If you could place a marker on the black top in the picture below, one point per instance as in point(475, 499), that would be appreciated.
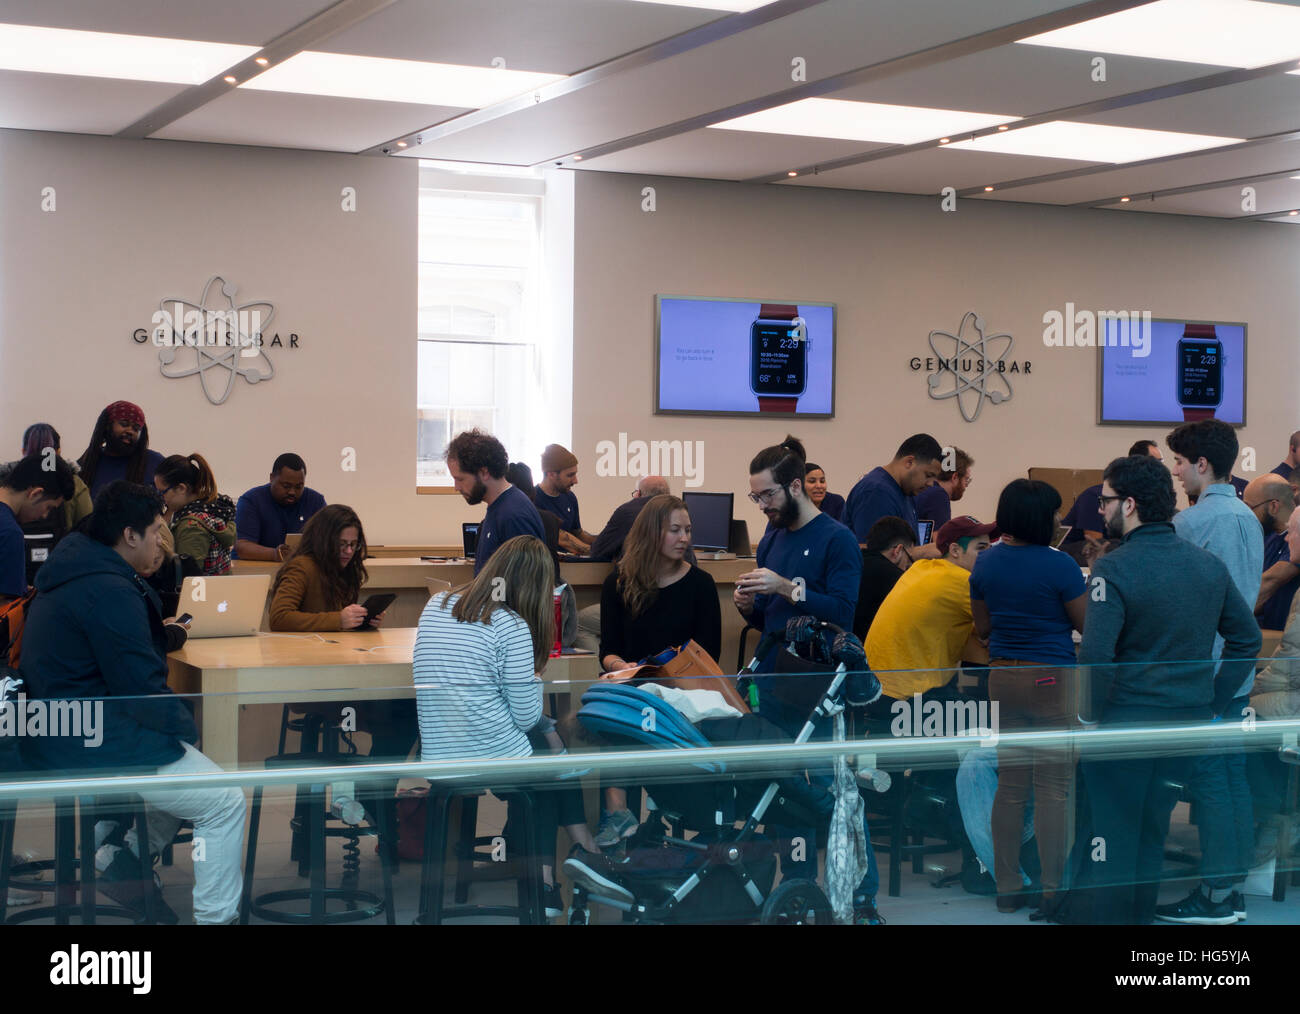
point(878, 578)
point(686, 610)
point(609, 543)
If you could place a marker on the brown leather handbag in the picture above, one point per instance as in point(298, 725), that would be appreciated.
point(689, 667)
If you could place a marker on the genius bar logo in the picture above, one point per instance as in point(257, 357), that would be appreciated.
point(970, 366)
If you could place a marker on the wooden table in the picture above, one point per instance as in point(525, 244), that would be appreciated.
point(232, 672)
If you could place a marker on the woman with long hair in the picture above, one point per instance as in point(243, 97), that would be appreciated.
point(201, 519)
point(118, 448)
point(814, 483)
point(655, 599)
point(1026, 598)
point(318, 586)
point(479, 653)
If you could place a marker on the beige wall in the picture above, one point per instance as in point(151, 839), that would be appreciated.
point(898, 267)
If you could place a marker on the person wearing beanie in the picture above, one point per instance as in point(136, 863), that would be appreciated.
point(118, 448)
point(555, 494)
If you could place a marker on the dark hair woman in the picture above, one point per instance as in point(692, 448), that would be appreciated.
point(814, 484)
point(478, 653)
point(201, 519)
point(655, 599)
point(1026, 597)
point(318, 586)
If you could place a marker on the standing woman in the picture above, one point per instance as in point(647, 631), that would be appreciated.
point(202, 520)
point(1026, 597)
point(814, 481)
point(654, 599)
point(479, 652)
point(36, 438)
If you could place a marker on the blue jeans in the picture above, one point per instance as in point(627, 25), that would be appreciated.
point(790, 722)
point(977, 785)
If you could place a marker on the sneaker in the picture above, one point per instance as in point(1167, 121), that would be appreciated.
point(125, 883)
point(552, 903)
point(865, 913)
point(1197, 910)
point(1237, 902)
point(615, 827)
point(19, 897)
point(596, 873)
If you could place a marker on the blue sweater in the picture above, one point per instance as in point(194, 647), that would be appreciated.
point(826, 555)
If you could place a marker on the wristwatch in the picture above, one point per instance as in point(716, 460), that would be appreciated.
point(1200, 372)
point(778, 357)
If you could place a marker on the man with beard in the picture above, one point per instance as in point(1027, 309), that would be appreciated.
point(555, 494)
point(1156, 600)
point(119, 449)
point(934, 503)
point(477, 462)
point(1272, 500)
point(808, 564)
point(266, 515)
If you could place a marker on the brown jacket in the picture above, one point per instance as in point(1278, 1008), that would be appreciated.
point(300, 601)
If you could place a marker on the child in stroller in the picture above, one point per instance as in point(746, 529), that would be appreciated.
point(724, 873)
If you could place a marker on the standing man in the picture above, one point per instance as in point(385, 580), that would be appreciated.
point(608, 545)
point(1287, 469)
point(934, 503)
point(888, 490)
point(1084, 516)
point(30, 492)
point(1272, 500)
point(1204, 453)
point(477, 462)
point(1154, 602)
point(555, 494)
point(119, 449)
point(265, 515)
point(808, 565)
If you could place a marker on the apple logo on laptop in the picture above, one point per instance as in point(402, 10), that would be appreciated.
point(222, 606)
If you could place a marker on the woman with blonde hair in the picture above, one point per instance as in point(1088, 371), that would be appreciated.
point(479, 652)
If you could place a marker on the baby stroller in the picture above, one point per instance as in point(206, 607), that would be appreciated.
point(724, 873)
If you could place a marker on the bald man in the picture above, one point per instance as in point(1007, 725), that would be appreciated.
point(609, 543)
point(1272, 500)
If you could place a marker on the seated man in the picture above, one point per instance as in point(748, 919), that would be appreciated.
point(916, 640)
point(608, 545)
point(96, 632)
point(555, 494)
point(29, 493)
point(887, 554)
point(265, 515)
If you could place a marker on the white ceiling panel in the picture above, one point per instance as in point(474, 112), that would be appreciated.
point(724, 154)
point(928, 172)
point(556, 37)
point(282, 120)
point(247, 22)
point(78, 105)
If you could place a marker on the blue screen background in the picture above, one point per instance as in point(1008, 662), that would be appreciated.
point(1137, 390)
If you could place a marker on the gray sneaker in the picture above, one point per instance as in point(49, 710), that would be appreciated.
point(615, 827)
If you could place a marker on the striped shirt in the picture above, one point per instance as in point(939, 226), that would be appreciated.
point(476, 690)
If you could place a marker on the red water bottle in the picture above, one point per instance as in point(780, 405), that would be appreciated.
point(557, 648)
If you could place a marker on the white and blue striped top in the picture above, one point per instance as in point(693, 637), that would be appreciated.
point(476, 691)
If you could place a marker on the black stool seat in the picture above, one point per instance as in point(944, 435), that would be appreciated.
point(357, 905)
point(72, 874)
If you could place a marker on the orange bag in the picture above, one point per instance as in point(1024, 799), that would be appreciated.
point(691, 668)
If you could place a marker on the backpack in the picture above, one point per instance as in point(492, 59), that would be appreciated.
point(13, 615)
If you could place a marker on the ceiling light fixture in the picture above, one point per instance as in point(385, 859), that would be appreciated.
point(401, 144)
point(1124, 200)
point(988, 190)
point(861, 121)
point(945, 140)
point(230, 79)
point(262, 61)
point(1093, 142)
point(122, 57)
point(577, 158)
point(1003, 126)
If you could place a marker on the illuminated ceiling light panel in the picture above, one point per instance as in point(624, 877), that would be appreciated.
point(734, 6)
point(861, 121)
point(1091, 142)
point(125, 57)
point(382, 79)
point(1226, 33)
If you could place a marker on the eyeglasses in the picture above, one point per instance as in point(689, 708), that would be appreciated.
point(1103, 500)
point(1263, 503)
point(354, 545)
point(766, 496)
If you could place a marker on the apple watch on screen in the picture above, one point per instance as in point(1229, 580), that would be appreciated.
point(778, 357)
point(1200, 372)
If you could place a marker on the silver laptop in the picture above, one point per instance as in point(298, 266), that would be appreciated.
point(224, 606)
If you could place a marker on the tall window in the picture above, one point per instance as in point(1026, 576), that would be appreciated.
point(483, 334)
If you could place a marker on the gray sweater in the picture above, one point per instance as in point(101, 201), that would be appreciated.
point(1154, 606)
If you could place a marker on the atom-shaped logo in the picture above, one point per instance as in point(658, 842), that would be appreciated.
point(969, 372)
point(221, 335)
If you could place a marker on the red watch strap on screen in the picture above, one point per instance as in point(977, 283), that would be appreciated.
point(1199, 331)
point(767, 403)
point(778, 311)
point(1197, 414)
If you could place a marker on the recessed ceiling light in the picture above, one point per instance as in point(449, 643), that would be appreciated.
point(988, 190)
point(792, 173)
point(1092, 142)
point(1293, 212)
point(123, 57)
point(1003, 126)
point(577, 158)
point(401, 144)
point(230, 79)
point(945, 140)
point(713, 5)
point(861, 121)
point(262, 61)
point(372, 77)
point(1124, 200)
point(1227, 33)
point(1295, 177)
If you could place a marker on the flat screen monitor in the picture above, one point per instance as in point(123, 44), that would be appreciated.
point(710, 519)
point(1161, 372)
point(924, 531)
point(744, 357)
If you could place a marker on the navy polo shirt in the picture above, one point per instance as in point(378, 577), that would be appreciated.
point(564, 506)
point(510, 514)
point(260, 519)
point(1278, 605)
point(13, 555)
point(934, 504)
point(877, 495)
point(1084, 515)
